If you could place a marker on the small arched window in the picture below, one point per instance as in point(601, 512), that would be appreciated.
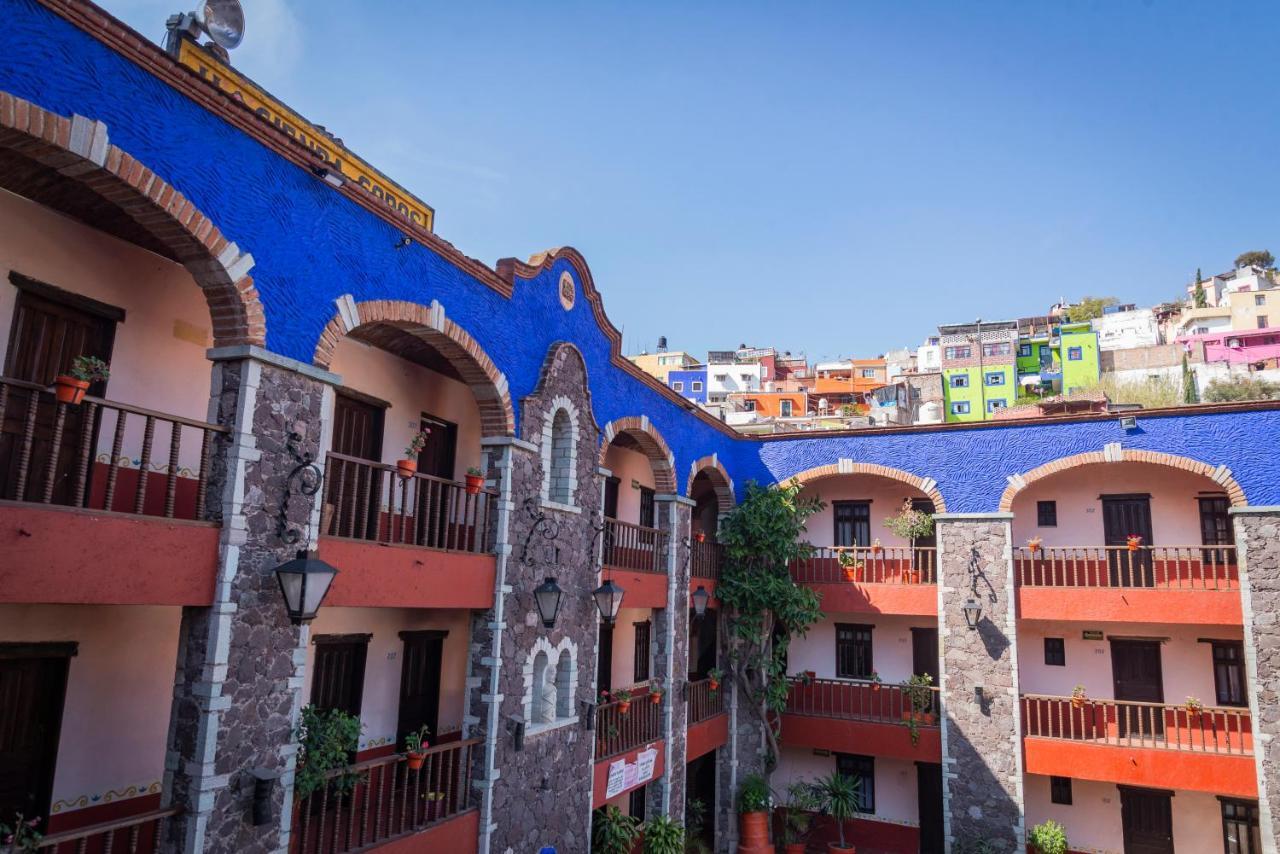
point(560, 454)
point(551, 684)
point(564, 688)
point(544, 708)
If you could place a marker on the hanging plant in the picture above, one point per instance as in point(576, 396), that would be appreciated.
point(714, 677)
point(1078, 696)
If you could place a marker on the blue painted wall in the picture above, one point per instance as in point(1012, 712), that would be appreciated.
point(687, 379)
point(312, 245)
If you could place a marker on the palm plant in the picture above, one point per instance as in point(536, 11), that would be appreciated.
point(838, 796)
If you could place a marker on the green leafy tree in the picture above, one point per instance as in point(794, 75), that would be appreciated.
point(1048, 838)
point(762, 536)
point(1089, 307)
point(1257, 258)
point(1241, 388)
point(663, 835)
point(1199, 298)
point(327, 739)
point(612, 832)
point(1189, 394)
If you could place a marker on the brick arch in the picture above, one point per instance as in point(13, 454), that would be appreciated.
point(927, 485)
point(429, 323)
point(78, 149)
point(719, 477)
point(1114, 453)
point(652, 445)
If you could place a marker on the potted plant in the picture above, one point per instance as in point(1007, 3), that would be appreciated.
point(875, 681)
point(838, 797)
point(853, 568)
point(798, 816)
point(1033, 545)
point(415, 747)
point(911, 524)
point(1134, 541)
point(919, 691)
point(755, 802)
point(714, 676)
point(612, 832)
point(475, 481)
point(1078, 697)
point(20, 835)
point(695, 826)
point(327, 738)
point(655, 692)
point(876, 547)
point(700, 537)
point(1194, 707)
point(1048, 838)
point(409, 465)
point(663, 835)
point(85, 370)
point(623, 698)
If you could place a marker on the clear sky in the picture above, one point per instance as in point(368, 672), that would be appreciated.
point(836, 178)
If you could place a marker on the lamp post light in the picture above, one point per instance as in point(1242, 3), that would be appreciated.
point(700, 599)
point(304, 582)
point(972, 613)
point(608, 598)
point(547, 597)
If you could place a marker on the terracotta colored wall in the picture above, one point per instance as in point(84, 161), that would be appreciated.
point(116, 715)
point(884, 494)
point(380, 705)
point(890, 645)
point(628, 465)
point(895, 782)
point(411, 390)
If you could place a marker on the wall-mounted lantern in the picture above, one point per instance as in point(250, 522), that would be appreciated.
point(304, 582)
point(547, 597)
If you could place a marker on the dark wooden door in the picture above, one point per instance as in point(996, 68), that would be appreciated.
point(438, 455)
point(1138, 677)
point(929, 798)
point(434, 500)
point(337, 681)
point(611, 485)
point(922, 556)
point(924, 652)
point(354, 491)
point(420, 683)
point(32, 690)
point(702, 643)
point(1124, 516)
point(604, 663)
point(46, 335)
point(1147, 818)
point(648, 511)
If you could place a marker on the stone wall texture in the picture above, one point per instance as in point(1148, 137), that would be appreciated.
point(981, 741)
point(671, 662)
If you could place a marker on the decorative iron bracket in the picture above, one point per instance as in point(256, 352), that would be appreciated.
point(305, 480)
point(543, 525)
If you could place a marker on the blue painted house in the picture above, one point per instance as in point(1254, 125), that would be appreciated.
point(690, 384)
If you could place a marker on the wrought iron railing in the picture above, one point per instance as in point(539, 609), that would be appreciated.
point(137, 834)
point(703, 701)
point(1169, 567)
point(365, 500)
point(867, 565)
point(1124, 723)
point(626, 725)
point(634, 547)
point(862, 700)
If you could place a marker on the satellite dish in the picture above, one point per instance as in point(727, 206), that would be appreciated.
point(223, 20)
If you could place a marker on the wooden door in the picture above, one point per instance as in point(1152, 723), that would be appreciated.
point(32, 690)
point(924, 653)
point(702, 643)
point(604, 663)
point(50, 328)
point(354, 491)
point(1147, 818)
point(420, 683)
point(611, 485)
point(922, 556)
point(435, 501)
point(929, 798)
point(337, 681)
point(1137, 674)
point(1124, 516)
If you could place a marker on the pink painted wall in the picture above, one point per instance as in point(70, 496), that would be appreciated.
point(411, 390)
point(896, 798)
point(1092, 821)
point(885, 495)
point(628, 465)
point(158, 361)
point(1186, 664)
point(624, 643)
point(1175, 513)
point(119, 687)
point(890, 645)
point(380, 705)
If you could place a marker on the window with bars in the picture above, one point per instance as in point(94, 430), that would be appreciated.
point(1047, 514)
point(853, 651)
point(337, 679)
point(862, 769)
point(1228, 673)
point(643, 634)
point(647, 516)
point(1215, 521)
point(852, 523)
point(1240, 829)
point(1060, 790)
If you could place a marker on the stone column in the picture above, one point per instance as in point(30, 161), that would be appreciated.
point(671, 664)
point(239, 675)
point(1258, 544)
point(981, 736)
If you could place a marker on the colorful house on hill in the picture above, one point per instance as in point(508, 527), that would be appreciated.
point(689, 383)
point(978, 368)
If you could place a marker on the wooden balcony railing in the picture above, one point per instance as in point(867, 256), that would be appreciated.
point(370, 501)
point(102, 455)
point(1166, 567)
point(137, 834)
point(702, 702)
point(883, 565)
point(389, 801)
point(634, 547)
point(706, 561)
point(1124, 723)
point(618, 731)
point(859, 700)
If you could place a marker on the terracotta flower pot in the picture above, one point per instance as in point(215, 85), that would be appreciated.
point(1077, 702)
point(69, 389)
point(406, 468)
point(714, 684)
point(875, 686)
point(416, 760)
point(851, 574)
point(624, 707)
point(656, 698)
point(753, 832)
point(475, 483)
point(795, 848)
point(837, 848)
point(913, 576)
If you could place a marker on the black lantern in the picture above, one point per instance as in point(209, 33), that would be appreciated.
point(304, 581)
point(608, 598)
point(972, 613)
point(700, 599)
point(547, 596)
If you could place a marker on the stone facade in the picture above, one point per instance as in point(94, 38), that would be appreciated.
point(981, 736)
point(1258, 538)
point(239, 672)
point(671, 663)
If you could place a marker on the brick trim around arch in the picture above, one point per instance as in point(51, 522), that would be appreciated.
point(1114, 453)
point(927, 485)
point(719, 477)
point(652, 445)
point(78, 149)
point(478, 371)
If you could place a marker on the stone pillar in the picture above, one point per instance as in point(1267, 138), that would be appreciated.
point(1258, 544)
point(239, 674)
point(671, 664)
point(981, 736)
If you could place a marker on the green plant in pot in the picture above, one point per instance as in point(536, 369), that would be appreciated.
point(837, 795)
point(415, 747)
point(85, 371)
point(408, 465)
point(755, 802)
point(20, 836)
point(798, 815)
point(911, 524)
point(695, 825)
point(475, 481)
point(663, 835)
point(612, 832)
point(919, 691)
point(327, 739)
point(1048, 838)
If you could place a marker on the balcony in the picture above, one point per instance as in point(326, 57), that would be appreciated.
point(1147, 744)
point(391, 801)
point(623, 731)
point(706, 561)
point(861, 716)
point(416, 541)
point(106, 485)
point(869, 579)
point(707, 727)
point(138, 834)
point(1161, 584)
point(636, 558)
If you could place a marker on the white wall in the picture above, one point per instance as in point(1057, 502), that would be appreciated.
point(628, 465)
point(623, 663)
point(896, 793)
point(890, 645)
point(1124, 330)
point(885, 495)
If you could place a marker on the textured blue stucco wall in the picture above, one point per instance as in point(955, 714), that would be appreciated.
point(311, 245)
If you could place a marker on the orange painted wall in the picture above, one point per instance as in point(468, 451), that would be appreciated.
point(641, 589)
point(865, 737)
point(1181, 769)
point(770, 405)
point(76, 557)
point(372, 576)
point(1131, 605)
point(705, 736)
point(908, 599)
point(458, 835)
point(600, 776)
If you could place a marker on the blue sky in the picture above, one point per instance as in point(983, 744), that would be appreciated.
point(836, 178)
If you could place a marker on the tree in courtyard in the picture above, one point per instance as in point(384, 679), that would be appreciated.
point(763, 608)
point(1089, 307)
point(1257, 258)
